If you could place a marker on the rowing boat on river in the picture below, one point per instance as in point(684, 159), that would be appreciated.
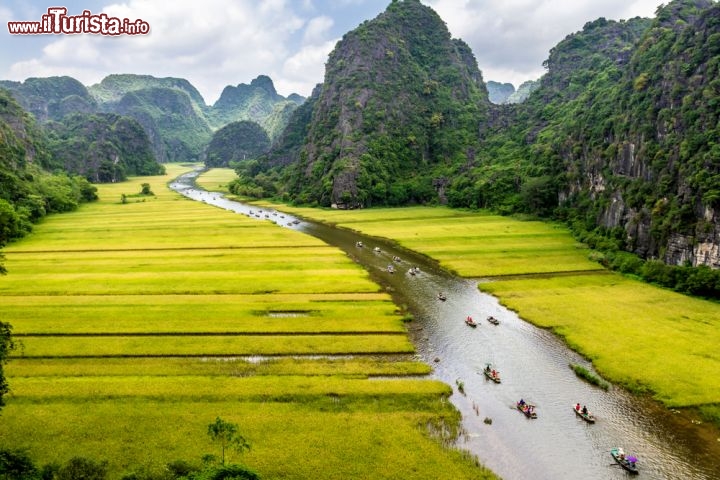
point(588, 417)
point(626, 462)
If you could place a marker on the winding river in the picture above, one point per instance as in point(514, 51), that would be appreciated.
point(533, 364)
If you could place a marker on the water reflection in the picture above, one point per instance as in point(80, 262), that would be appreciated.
point(533, 364)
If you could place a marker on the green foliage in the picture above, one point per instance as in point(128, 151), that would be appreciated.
point(588, 376)
point(80, 468)
point(227, 436)
point(17, 465)
point(7, 345)
point(224, 472)
point(236, 142)
point(51, 98)
point(102, 147)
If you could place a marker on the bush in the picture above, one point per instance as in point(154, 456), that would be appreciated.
point(79, 468)
point(16, 465)
point(225, 472)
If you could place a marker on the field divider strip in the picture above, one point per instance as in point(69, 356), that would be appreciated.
point(274, 356)
point(211, 334)
point(164, 249)
point(530, 275)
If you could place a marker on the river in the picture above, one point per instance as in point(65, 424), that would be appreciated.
point(533, 364)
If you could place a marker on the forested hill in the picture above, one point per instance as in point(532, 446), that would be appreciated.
point(619, 137)
point(400, 103)
point(27, 191)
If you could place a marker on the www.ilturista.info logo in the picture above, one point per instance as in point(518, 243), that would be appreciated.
point(57, 21)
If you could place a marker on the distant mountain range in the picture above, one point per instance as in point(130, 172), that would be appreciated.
point(171, 111)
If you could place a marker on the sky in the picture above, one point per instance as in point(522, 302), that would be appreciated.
point(215, 43)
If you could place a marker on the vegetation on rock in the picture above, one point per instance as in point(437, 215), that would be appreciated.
point(236, 142)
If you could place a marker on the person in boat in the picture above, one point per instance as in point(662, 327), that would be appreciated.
point(584, 410)
point(521, 402)
point(487, 368)
point(493, 373)
point(577, 407)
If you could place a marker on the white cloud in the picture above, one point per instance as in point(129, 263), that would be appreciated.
point(211, 43)
point(305, 69)
point(317, 29)
point(214, 43)
point(513, 37)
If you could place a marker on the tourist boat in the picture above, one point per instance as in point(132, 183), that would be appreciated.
point(390, 269)
point(442, 297)
point(627, 462)
point(488, 371)
point(376, 249)
point(359, 244)
point(528, 409)
point(470, 322)
point(493, 320)
point(588, 417)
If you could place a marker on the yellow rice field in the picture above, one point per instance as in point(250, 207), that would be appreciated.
point(139, 323)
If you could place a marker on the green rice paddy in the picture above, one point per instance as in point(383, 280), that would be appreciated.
point(139, 323)
point(643, 337)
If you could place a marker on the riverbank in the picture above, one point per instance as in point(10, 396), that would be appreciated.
point(648, 339)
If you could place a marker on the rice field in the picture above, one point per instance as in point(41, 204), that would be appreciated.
point(216, 179)
point(139, 322)
point(643, 337)
point(472, 244)
point(646, 338)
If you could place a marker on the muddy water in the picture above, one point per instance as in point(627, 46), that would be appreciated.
point(533, 365)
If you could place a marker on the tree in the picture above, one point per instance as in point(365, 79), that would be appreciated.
point(226, 434)
point(6, 346)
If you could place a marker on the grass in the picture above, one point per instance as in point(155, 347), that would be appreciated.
point(638, 335)
point(643, 337)
point(216, 179)
point(470, 243)
point(357, 367)
point(139, 323)
point(588, 376)
point(289, 440)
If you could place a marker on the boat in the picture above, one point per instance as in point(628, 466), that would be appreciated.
point(359, 244)
point(588, 417)
point(488, 371)
point(470, 322)
point(442, 297)
point(627, 462)
point(528, 409)
point(390, 269)
point(493, 320)
point(376, 249)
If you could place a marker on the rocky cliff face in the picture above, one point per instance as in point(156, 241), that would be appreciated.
point(654, 169)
